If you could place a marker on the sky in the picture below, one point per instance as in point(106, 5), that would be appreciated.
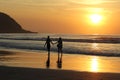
point(65, 16)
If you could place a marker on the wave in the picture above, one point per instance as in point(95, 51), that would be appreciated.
point(67, 49)
point(93, 40)
point(103, 45)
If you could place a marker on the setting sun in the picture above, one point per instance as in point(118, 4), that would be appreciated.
point(95, 18)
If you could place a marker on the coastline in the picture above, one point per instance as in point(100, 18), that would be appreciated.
point(20, 65)
point(73, 44)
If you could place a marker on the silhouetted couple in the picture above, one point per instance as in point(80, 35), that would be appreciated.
point(59, 46)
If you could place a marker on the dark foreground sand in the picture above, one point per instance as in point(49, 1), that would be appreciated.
point(17, 73)
point(24, 73)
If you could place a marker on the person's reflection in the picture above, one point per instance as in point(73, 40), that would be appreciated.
point(47, 64)
point(59, 65)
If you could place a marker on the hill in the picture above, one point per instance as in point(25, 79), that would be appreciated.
point(9, 25)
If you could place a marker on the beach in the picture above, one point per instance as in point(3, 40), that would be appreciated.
point(21, 65)
point(59, 39)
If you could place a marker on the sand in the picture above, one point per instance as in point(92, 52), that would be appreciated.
point(18, 65)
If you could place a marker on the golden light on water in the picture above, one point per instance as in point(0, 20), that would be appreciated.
point(95, 61)
point(94, 64)
point(95, 46)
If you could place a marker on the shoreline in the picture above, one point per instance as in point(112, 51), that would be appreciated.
point(20, 65)
point(75, 62)
point(54, 52)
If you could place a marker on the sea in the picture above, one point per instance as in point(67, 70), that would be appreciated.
point(101, 45)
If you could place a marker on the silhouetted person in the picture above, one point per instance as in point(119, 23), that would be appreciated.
point(59, 46)
point(48, 43)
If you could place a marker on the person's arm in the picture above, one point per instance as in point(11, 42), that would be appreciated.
point(55, 43)
point(45, 44)
point(51, 42)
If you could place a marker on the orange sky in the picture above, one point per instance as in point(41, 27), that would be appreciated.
point(64, 16)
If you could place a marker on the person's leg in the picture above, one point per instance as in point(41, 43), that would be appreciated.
point(58, 55)
point(61, 55)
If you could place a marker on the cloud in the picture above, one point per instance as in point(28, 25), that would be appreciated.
point(65, 5)
point(106, 5)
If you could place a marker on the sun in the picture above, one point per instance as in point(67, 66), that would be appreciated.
point(95, 18)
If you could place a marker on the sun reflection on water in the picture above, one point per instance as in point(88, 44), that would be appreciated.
point(94, 64)
point(95, 46)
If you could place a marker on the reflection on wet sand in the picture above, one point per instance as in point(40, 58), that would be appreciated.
point(70, 62)
point(94, 64)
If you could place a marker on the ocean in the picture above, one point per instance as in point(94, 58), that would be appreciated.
point(102, 45)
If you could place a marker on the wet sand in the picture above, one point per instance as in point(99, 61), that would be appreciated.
point(19, 73)
point(18, 65)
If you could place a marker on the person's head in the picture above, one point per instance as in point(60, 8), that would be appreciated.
point(60, 38)
point(48, 37)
